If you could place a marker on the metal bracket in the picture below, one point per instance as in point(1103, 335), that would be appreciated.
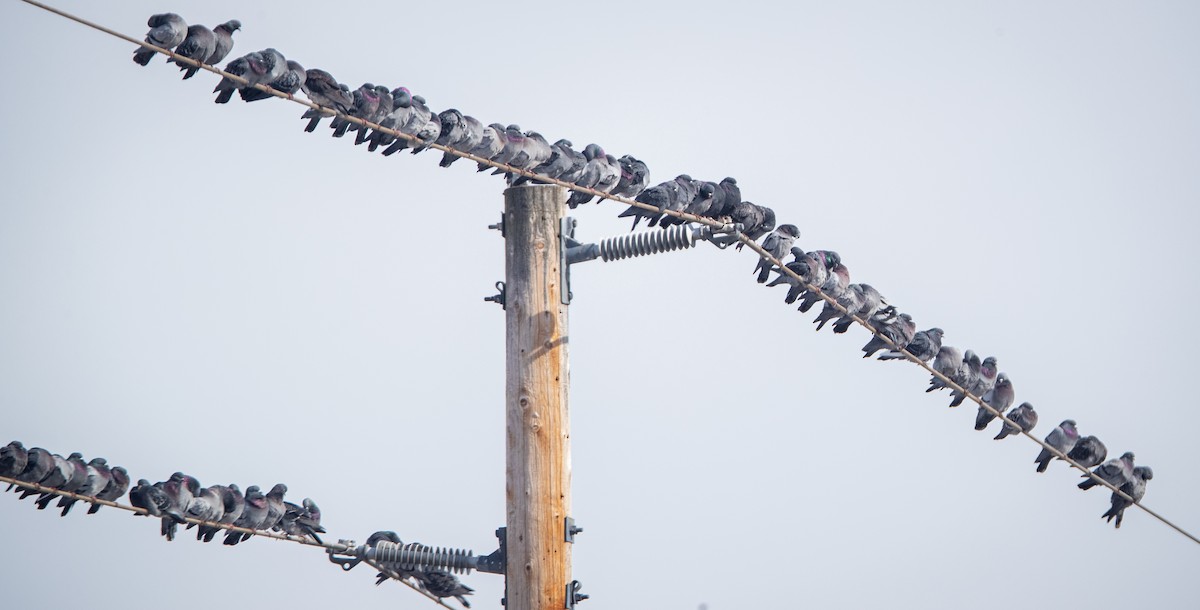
point(573, 594)
point(497, 561)
point(498, 298)
point(345, 560)
point(499, 226)
point(569, 529)
point(566, 240)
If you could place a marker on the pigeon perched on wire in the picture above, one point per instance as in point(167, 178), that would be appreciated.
point(291, 81)
point(415, 119)
point(472, 137)
point(238, 67)
point(900, 332)
point(671, 195)
point(383, 536)
point(949, 362)
point(534, 151)
point(302, 520)
point(366, 104)
point(198, 46)
point(223, 35)
point(167, 30)
point(180, 490)
point(776, 244)
point(1135, 488)
point(275, 507)
point(635, 176)
point(254, 515)
point(97, 479)
point(835, 285)
point(1062, 438)
point(870, 303)
point(69, 473)
point(1116, 472)
point(38, 464)
point(154, 501)
point(1025, 418)
point(924, 346)
point(401, 113)
point(1088, 451)
point(118, 484)
point(601, 173)
point(441, 583)
point(562, 160)
point(13, 458)
point(208, 505)
point(1000, 398)
point(756, 220)
point(232, 505)
point(322, 89)
point(980, 384)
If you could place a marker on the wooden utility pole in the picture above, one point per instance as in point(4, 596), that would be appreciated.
point(539, 449)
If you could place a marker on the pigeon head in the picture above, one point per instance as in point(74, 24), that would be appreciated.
point(278, 490)
point(728, 180)
point(989, 365)
point(143, 483)
point(592, 151)
point(1067, 423)
point(707, 190)
point(565, 143)
point(401, 98)
point(1144, 472)
point(75, 456)
point(1127, 456)
point(789, 230)
point(232, 25)
point(1002, 380)
point(936, 333)
point(252, 490)
point(832, 259)
point(420, 99)
point(98, 462)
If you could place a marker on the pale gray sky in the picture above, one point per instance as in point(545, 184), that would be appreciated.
point(206, 288)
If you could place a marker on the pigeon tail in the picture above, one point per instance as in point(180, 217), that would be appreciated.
point(142, 56)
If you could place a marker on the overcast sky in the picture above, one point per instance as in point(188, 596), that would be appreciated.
point(187, 286)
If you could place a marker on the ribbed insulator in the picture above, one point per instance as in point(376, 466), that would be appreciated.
point(413, 556)
point(678, 237)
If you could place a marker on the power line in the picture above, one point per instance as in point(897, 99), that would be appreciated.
point(342, 546)
point(637, 204)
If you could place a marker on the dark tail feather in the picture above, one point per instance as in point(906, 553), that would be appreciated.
point(224, 96)
point(447, 159)
point(66, 507)
point(232, 538)
point(362, 136)
point(93, 508)
point(190, 73)
point(1087, 483)
point(397, 146)
point(44, 501)
point(958, 399)
point(142, 56)
point(312, 124)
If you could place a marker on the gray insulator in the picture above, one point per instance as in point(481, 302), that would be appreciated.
point(410, 557)
point(678, 237)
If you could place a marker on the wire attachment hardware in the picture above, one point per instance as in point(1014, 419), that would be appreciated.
point(498, 298)
point(344, 559)
point(573, 594)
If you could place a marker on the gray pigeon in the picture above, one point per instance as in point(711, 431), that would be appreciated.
point(69, 474)
point(1000, 398)
point(900, 332)
point(1062, 438)
point(402, 111)
point(13, 458)
point(238, 67)
point(275, 507)
point(980, 385)
point(562, 160)
point(208, 505)
point(198, 46)
point(1024, 416)
point(1116, 472)
point(472, 136)
point(756, 220)
point(38, 464)
point(635, 176)
point(97, 479)
point(383, 536)
point(602, 173)
point(232, 505)
point(778, 243)
point(870, 303)
point(377, 115)
point(416, 118)
point(289, 83)
point(366, 103)
point(254, 515)
point(673, 195)
point(265, 67)
point(154, 501)
point(1135, 488)
point(924, 345)
point(947, 362)
point(428, 133)
point(224, 41)
point(1088, 451)
point(302, 520)
point(441, 583)
point(322, 89)
point(166, 31)
point(835, 285)
point(180, 490)
point(118, 484)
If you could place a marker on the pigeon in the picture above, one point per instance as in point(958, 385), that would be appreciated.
point(117, 485)
point(870, 303)
point(776, 244)
point(375, 539)
point(924, 345)
point(275, 507)
point(322, 89)
point(166, 31)
point(238, 67)
point(401, 112)
point(254, 515)
point(1135, 488)
point(837, 281)
point(980, 385)
point(1062, 438)
point(1024, 416)
point(415, 118)
point(265, 67)
point(428, 133)
point(672, 195)
point(535, 152)
point(948, 361)
point(223, 35)
point(291, 81)
point(38, 464)
point(70, 473)
point(731, 197)
point(366, 103)
point(13, 458)
point(441, 583)
point(380, 111)
point(154, 501)
point(180, 490)
point(454, 128)
point(302, 520)
point(635, 176)
point(472, 136)
point(197, 46)
point(1000, 398)
point(562, 160)
point(596, 170)
point(97, 480)
point(1088, 451)
point(208, 505)
point(811, 267)
point(756, 220)
point(232, 505)
point(900, 332)
point(1116, 471)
